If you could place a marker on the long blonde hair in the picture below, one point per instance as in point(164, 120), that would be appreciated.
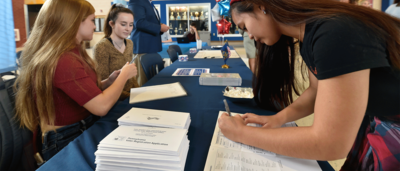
point(53, 34)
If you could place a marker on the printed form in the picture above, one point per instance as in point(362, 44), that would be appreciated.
point(227, 155)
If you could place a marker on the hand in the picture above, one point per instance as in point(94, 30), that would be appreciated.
point(129, 69)
point(194, 28)
point(164, 28)
point(231, 127)
point(273, 121)
point(113, 76)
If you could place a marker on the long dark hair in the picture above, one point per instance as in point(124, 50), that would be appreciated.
point(113, 16)
point(273, 83)
point(396, 2)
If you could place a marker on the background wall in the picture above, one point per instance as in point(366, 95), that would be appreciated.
point(19, 21)
point(102, 7)
point(213, 24)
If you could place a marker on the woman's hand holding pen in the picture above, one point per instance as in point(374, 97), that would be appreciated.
point(231, 126)
point(273, 121)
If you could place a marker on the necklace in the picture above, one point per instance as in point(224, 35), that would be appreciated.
point(119, 46)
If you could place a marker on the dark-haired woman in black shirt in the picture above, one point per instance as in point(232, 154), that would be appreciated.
point(353, 57)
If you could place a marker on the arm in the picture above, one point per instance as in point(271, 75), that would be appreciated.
point(168, 37)
point(141, 22)
point(339, 109)
point(304, 105)
point(169, 40)
point(102, 103)
point(300, 108)
point(252, 64)
point(197, 34)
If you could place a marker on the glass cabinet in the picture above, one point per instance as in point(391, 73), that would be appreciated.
point(180, 16)
point(233, 30)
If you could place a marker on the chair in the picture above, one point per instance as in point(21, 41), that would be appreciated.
point(19, 53)
point(176, 48)
point(172, 55)
point(152, 63)
point(16, 149)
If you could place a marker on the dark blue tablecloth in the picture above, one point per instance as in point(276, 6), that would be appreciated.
point(203, 103)
point(184, 47)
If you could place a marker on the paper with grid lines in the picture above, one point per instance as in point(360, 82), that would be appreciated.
point(227, 155)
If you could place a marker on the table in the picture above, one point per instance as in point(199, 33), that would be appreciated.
point(184, 47)
point(203, 103)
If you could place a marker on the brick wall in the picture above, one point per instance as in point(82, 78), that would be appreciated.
point(19, 21)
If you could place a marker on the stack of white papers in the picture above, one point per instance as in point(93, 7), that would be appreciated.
point(143, 94)
point(143, 148)
point(215, 54)
point(155, 118)
point(225, 154)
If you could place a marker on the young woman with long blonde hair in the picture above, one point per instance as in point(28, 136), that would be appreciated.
point(58, 89)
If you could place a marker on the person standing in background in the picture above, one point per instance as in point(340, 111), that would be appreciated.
point(192, 34)
point(250, 47)
point(146, 34)
point(394, 9)
point(114, 50)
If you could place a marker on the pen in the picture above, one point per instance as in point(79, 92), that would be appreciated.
point(133, 59)
point(227, 108)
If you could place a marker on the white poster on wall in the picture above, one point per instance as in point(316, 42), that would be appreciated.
point(16, 33)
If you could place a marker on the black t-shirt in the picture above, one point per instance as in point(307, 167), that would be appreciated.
point(341, 45)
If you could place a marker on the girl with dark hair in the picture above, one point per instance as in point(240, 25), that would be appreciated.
point(353, 58)
point(112, 52)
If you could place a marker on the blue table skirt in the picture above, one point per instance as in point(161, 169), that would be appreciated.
point(202, 102)
point(184, 47)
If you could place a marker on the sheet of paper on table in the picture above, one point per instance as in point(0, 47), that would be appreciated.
point(155, 118)
point(143, 94)
point(143, 148)
point(215, 54)
point(225, 154)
